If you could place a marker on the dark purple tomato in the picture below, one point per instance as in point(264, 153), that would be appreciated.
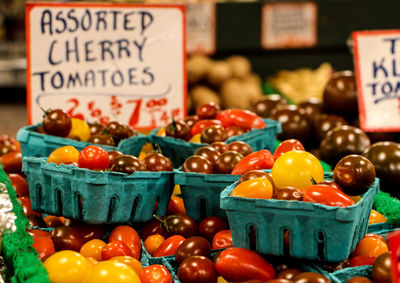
point(191, 120)
point(195, 245)
point(226, 162)
point(342, 141)
point(127, 164)
point(211, 225)
point(197, 164)
point(355, 174)
point(331, 184)
point(295, 124)
point(130, 131)
point(157, 162)
point(312, 108)
point(96, 128)
point(67, 238)
point(116, 130)
point(382, 269)
point(213, 134)
point(208, 111)
point(180, 225)
point(153, 227)
point(264, 106)
point(209, 153)
point(113, 154)
point(288, 193)
point(234, 131)
point(289, 273)
point(241, 147)
point(57, 123)
point(386, 159)
point(102, 139)
point(310, 277)
point(87, 231)
point(325, 123)
point(35, 220)
point(178, 130)
point(197, 269)
point(219, 146)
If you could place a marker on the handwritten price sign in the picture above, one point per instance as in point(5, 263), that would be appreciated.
point(106, 62)
point(377, 65)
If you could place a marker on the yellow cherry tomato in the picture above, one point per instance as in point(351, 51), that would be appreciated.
point(355, 198)
point(376, 217)
point(129, 261)
point(93, 249)
point(161, 132)
point(254, 188)
point(297, 169)
point(110, 271)
point(91, 262)
point(177, 190)
point(66, 266)
point(196, 138)
point(80, 129)
point(64, 155)
point(153, 242)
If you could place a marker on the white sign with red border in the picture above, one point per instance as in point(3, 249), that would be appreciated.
point(107, 61)
point(289, 25)
point(377, 66)
point(201, 27)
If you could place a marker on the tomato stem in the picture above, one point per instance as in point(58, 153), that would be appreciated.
point(313, 181)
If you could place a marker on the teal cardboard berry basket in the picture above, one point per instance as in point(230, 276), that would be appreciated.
point(316, 232)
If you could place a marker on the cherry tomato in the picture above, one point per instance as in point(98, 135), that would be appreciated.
point(67, 238)
point(208, 110)
point(211, 225)
point(362, 260)
point(258, 160)
point(359, 279)
point(242, 118)
point(129, 236)
point(222, 240)
point(370, 246)
point(52, 221)
point(129, 261)
point(80, 129)
point(93, 249)
point(260, 188)
point(155, 273)
point(182, 225)
point(57, 123)
point(192, 246)
point(93, 157)
point(91, 262)
point(19, 184)
point(297, 169)
point(377, 236)
point(327, 195)
point(198, 269)
point(376, 217)
point(64, 155)
point(201, 125)
point(287, 145)
point(153, 227)
point(197, 164)
point(27, 206)
point(153, 242)
point(12, 162)
point(110, 271)
point(44, 246)
point(169, 246)
point(66, 266)
point(176, 205)
point(38, 233)
point(115, 248)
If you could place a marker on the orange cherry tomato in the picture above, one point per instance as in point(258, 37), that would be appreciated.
point(373, 235)
point(91, 262)
point(129, 236)
point(155, 273)
point(153, 242)
point(93, 249)
point(27, 206)
point(19, 184)
point(255, 188)
point(129, 261)
point(176, 205)
point(370, 246)
point(376, 217)
point(44, 246)
point(115, 248)
point(169, 246)
point(362, 260)
point(64, 155)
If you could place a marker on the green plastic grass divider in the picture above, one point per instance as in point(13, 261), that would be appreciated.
point(22, 261)
point(388, 206)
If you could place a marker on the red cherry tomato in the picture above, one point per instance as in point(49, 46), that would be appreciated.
point(242, 118)
point(222, 240)
point(12, 162)
point(129, 236)
point(115, 248)
point(327, 195)
point(362, 260)
point(199, 126)
point(93, 157)
point(155, 273)
point(44, 246)
point(19, 184)
point(287, 145)
point(169, 246)
point(38, 233)
point(27, 206)
point(176, 205)
point(258, 160)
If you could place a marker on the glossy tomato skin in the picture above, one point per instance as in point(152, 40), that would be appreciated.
point(208, 110)
point(93, 157)
point(111, 271)
point(211, 225)
point(27, 206)
point(243, 118)
point(202, 124)
point(12, 162)
point(308, 277)
point(239, 264)
point(362, 260)
point(44, 246)
point(259, 188)
point(287, 145)
point(382, 269)
point(93, 249)
point(155, 273)
point(67, 238)
point(176, 205)
point(241, 147)
point(197, 164)
point(115, 248)
point(258, 160)
point(327, 195)
point(197, 269)
point(66, 266)
point(181, 225)
point(222, 240)
point(226, 162)
point(169, 246)
point(129, 236)
point(193, 246)
point(19, 184)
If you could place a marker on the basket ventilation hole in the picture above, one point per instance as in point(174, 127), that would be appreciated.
point(39, 196)
point(321, 241)
point(79, 206)
point(156, 208)
point(203, 208)
point(111, 208)
point(252, 237)
point(134, 207)
point(286, 242)
point(59, 202)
